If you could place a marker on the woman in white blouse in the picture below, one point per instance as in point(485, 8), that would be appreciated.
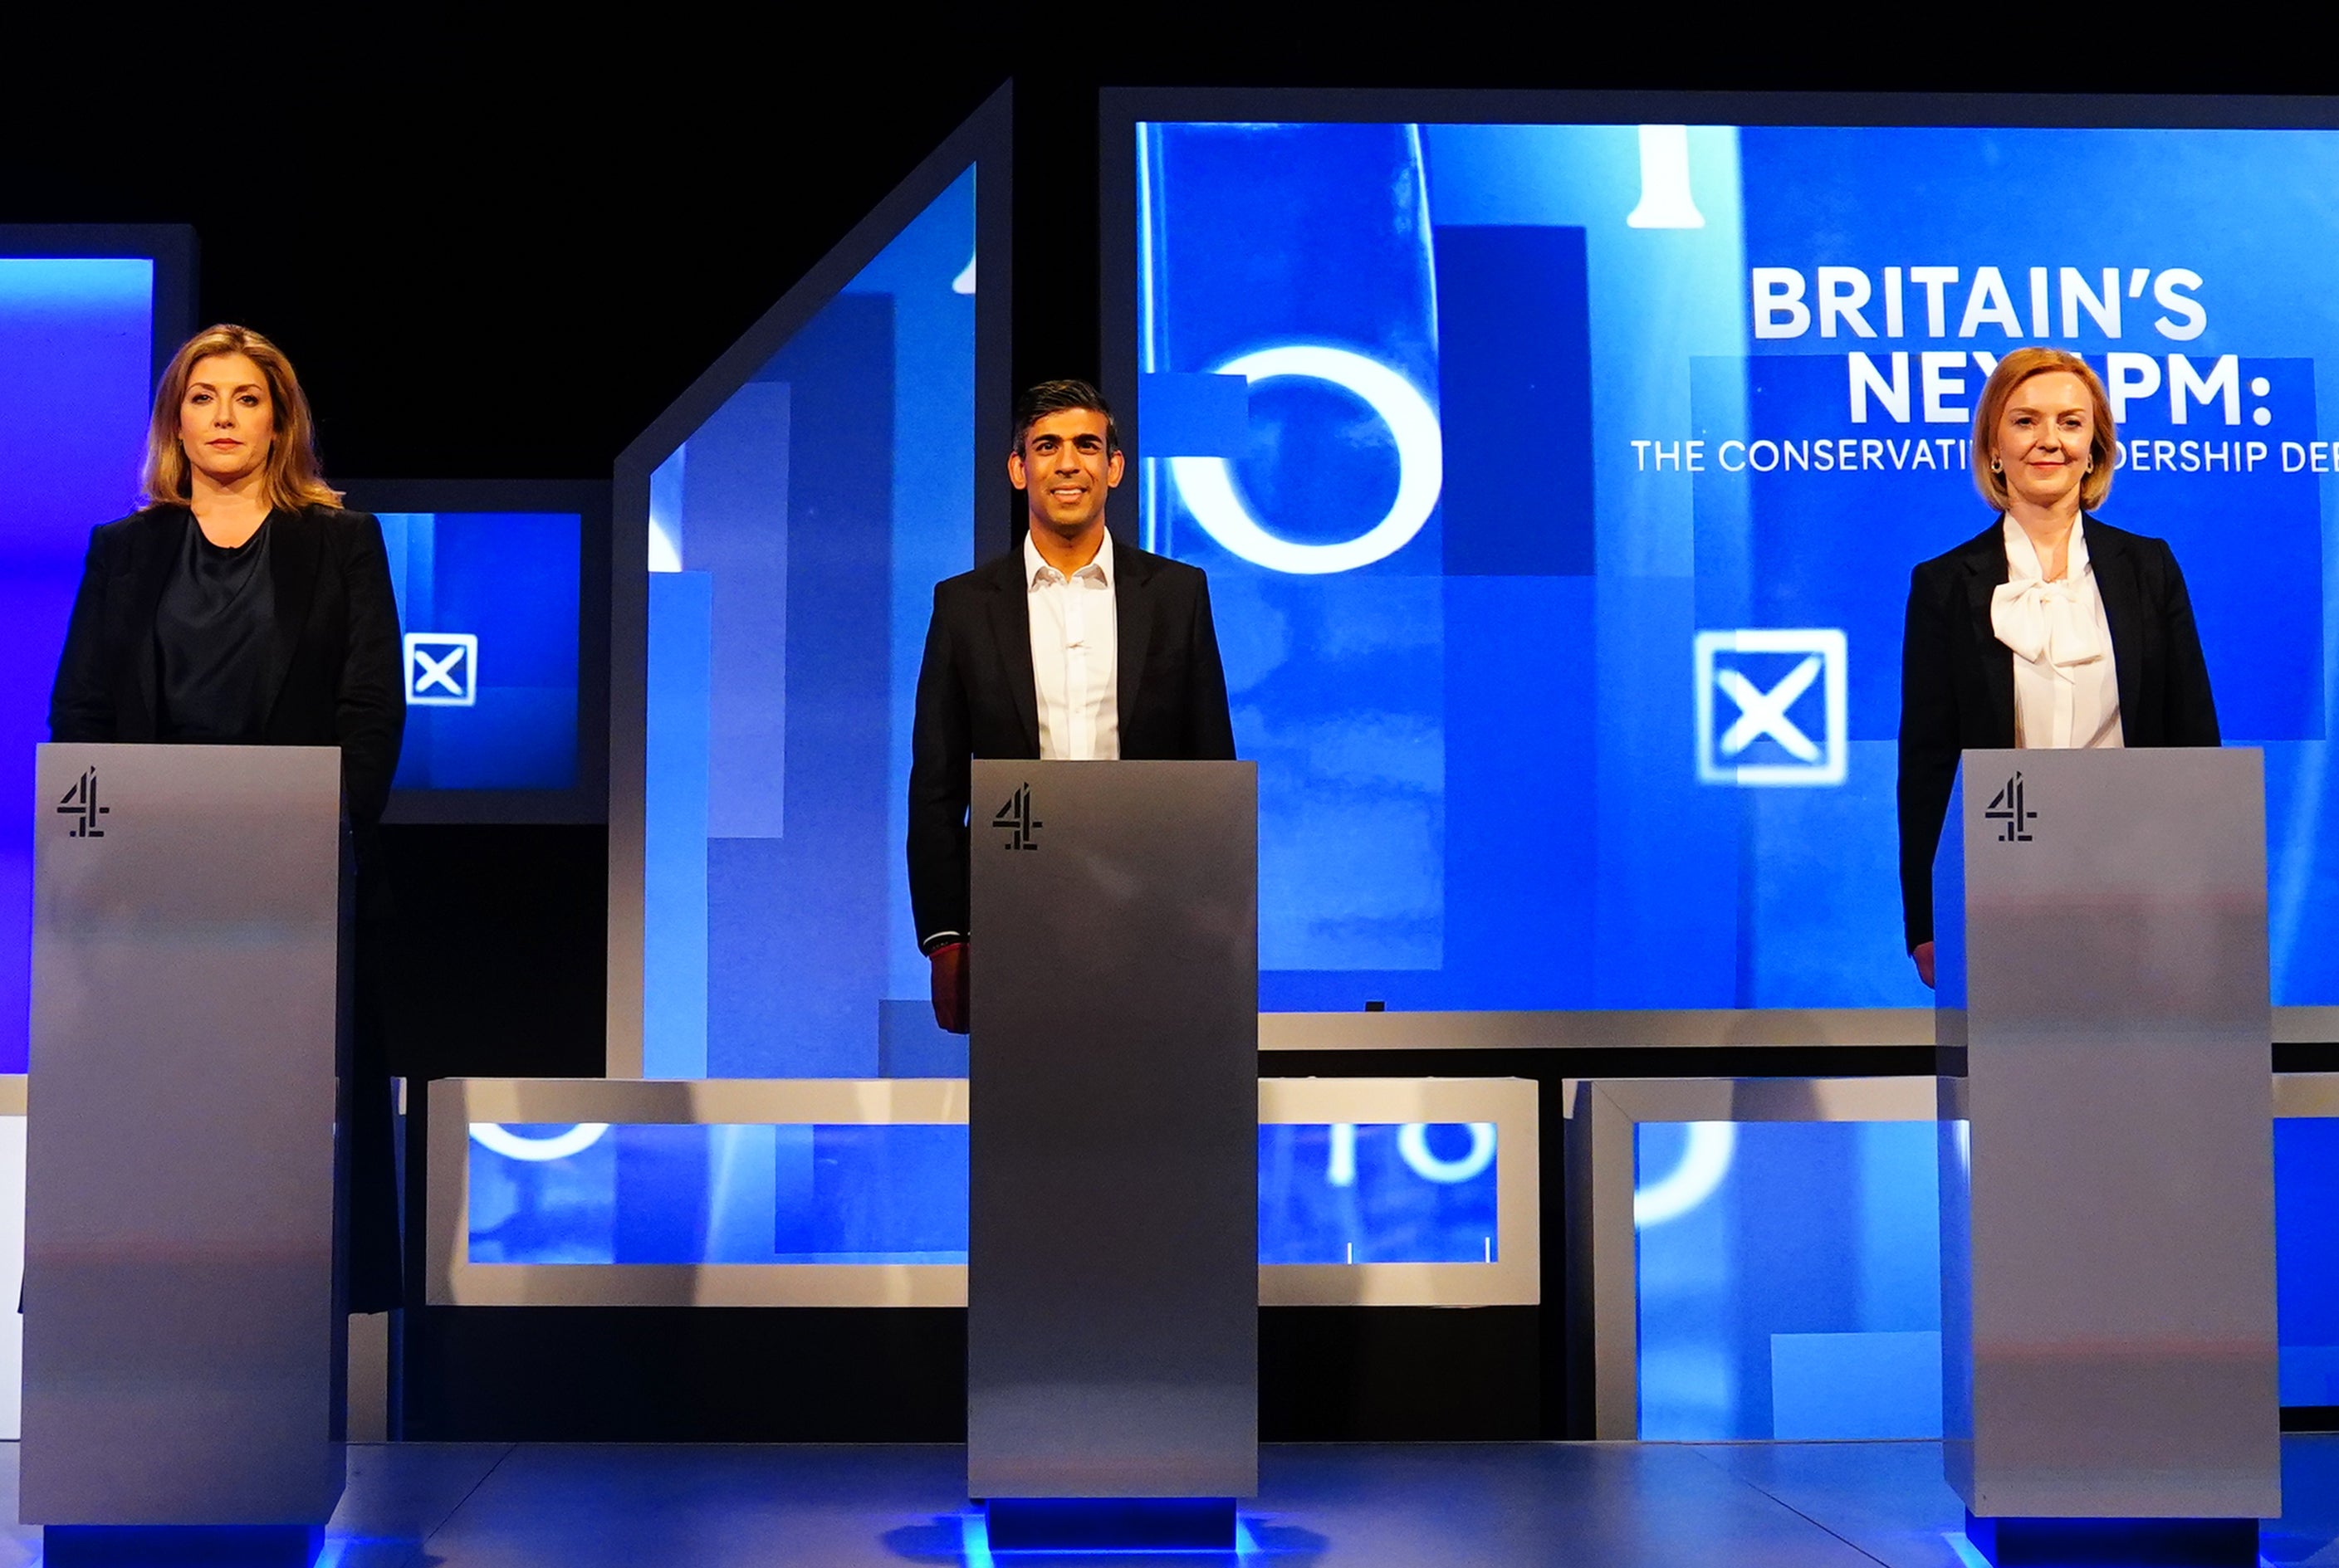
point(2050, 627)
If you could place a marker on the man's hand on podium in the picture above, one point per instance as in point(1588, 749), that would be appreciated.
point(1922, 954)
point(952, 972)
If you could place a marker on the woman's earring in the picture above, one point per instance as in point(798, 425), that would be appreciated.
point(1996, 466)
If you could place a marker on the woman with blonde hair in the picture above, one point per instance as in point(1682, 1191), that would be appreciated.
point(242, 606)
point(2049, 628)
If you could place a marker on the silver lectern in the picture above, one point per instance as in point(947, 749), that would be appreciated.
point(2106, 1148)
point(184, 1333)
point(1113, 1279)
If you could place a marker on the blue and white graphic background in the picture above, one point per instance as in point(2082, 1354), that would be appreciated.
point(511, 580)
point(1478, 749)
point(796, 536)
point(1790, 1277)
point(1408, 1193)
point(81, 332)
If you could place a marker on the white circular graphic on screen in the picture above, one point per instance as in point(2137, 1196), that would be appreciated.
point(1413, 1145)
point(500, 1140)
point(1705, 1160)
point(1206, 485)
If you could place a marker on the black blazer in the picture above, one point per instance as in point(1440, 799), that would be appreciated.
point(337, 669)
point(976, 699)
point(1957, 679)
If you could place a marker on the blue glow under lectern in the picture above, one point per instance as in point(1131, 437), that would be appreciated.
point(185, 1335)
point(2106, 1156)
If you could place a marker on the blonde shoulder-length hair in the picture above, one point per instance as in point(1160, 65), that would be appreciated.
point(294, 478)
point(2014, 369)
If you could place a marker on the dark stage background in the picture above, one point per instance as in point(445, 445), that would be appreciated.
point(499, 252)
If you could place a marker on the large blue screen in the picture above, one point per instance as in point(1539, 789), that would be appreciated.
point(795, 539)
point(488, 603)
point(77, 338)
point(1559, 486)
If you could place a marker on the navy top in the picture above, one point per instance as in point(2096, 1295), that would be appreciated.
point(213, 632)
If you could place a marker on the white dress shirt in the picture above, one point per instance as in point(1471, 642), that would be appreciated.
point(2065, 690)
point(1075, 655)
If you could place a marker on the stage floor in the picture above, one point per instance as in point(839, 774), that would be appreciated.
point(1431, 1506)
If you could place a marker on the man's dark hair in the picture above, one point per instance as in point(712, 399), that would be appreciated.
point(1054, 398)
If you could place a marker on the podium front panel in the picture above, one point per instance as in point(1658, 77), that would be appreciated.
point(2106, 1156)
point(183, 1335)
point(1112, 1266)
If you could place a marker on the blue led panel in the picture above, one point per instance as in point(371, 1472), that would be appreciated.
point(1559, 486)
point(77, 339)
point(795, 539)
point(2306, 1259)
point(1790, 1277)
point(1409, 1193)
point(489, 605)
point(897, 1193)
point(718, 1194)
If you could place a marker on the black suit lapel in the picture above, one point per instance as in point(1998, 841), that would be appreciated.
point(1132, 617)
point(1984, 562)
point(158, 552)
point(2114, 564)
point(1010, 628)
point(295, 550)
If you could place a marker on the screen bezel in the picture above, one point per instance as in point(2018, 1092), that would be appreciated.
point(586, 800)
point(170, 246)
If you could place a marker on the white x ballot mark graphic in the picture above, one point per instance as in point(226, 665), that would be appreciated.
point(442, 669)
point(1764, 712)
point(1761, 712)
point(429, 672)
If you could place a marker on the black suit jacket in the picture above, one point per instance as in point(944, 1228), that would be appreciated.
point(336, 668)
point(1957, 679)
point(976, 699)
point(338, 679)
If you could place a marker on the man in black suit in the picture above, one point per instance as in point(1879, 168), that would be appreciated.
point(1070, 645)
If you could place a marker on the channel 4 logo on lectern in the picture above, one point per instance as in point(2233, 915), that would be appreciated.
point(80, 805)
point(1784, 714)
point(442, 669)
point(1015, 819)
point(2011, 806)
